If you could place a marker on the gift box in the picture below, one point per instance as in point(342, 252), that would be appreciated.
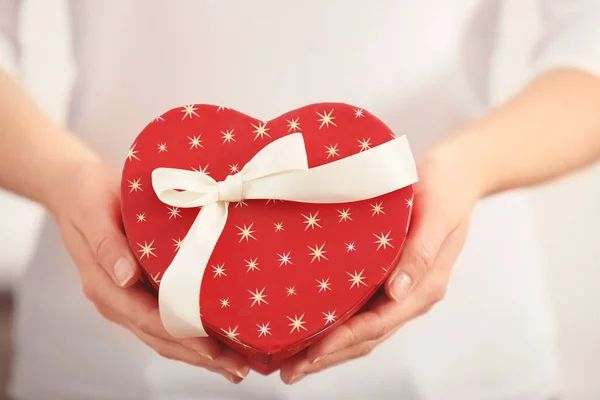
point(266, 235)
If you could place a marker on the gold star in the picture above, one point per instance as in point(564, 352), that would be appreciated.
point(312, 221)
point(261, 130)
point(323, 285)
point(285, 258)
point(141, 217)
point(240, 203)
point(224, 303)
point(201, 170)
point(219, 270)
point(159, 118)
point(293, 124)
point(189, 111)
point(344, 215)
point(356, 279)
point(228, 136)
point(258, 297)
point(246, 232)
point(329, 317)
point(195, 142)
point(233, 168)
point(332, 151)
point(162, 147)
point(263, 329)
point(291, 290)
point(377, 208)
point(317, 253)
point(221, 108)
point(278, 226)
point(358, 113)
point(132, 152)
point(297, 323)
point(146, 249)
point(231, 333)
point(178, 243)
point(383, 240)
point(135, 185)
point(326, 119)
point(173, 212)
point(350, 246)
point(365, 144)
point(409, 202)
point(252, 265)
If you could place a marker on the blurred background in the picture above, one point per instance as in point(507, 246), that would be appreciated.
point(568, 211)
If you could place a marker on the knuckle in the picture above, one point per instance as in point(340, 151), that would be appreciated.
point(438, 292)
point(102, 244)
point(364, 350)
point(164, 352)
point(424, 256)
point(90, 292)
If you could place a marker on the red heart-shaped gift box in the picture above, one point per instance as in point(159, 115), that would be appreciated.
point(282, 273)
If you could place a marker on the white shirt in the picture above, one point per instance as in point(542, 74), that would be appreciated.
point(423, 67)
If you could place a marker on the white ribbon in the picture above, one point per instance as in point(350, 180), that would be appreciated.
point(280, 172)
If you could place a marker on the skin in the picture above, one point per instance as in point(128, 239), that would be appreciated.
point(549, 129)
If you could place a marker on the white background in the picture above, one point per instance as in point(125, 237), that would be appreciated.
point(572, 205)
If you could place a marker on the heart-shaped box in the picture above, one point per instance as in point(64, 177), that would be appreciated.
point(265, 235)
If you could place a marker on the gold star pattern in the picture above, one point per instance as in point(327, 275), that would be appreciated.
point(409, 202)
point(377, 208)
point(326, 119)
point(246, 232)
point(233, 168)
point(258, 297)
point(156, 278)
point(383, 240)
point(311, 221)
point(219, 270)
point(278, 226)
point(146, 249)
point(231, 333)
point(356, 279)
point(329, 317)
point(195, 142)
point(365, 144)
point(318, 253)
point(225, 303)
point(344, 215)
point(293, 125)
point(189, 111)
point(252, 265)
point(263, 329)
point(221, 108)
point(228, 136)
point(162, 147)
point(178, 243)
point(132, 153)
point(291, 291)
point(358, 113)
point(135, 185)
point(159, 118)
point(297, 323)
point(141, 217)
point(284, 259)
point(323, 285)
point(201, 170)
point(174, 212)
point(240, 203)
point(260, 130)
point(350, 247)
point(332, 151)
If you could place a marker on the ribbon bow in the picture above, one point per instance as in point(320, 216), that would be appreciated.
point(280, 172)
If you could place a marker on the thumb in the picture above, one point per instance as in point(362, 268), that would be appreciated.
point(423, 243)
point(102, 229)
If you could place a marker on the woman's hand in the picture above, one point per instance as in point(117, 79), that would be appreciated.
point(90, 221)
point(444, 198)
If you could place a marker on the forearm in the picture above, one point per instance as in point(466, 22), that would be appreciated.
point(550, 128)
point(34, 150)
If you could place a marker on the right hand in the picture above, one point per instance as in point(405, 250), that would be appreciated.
point(90, 221)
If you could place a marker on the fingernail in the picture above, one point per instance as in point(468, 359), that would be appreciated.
point(231, 379)
point(297, 378)
point(124, 271)
point(400, 286)
point(206, 356)
point(235, 372)
point(320, 358)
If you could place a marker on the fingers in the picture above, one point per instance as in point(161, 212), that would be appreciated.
point(101, 226)
point(423, 243)
point(176, 351)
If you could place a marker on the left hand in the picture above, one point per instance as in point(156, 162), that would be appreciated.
point(443, 201)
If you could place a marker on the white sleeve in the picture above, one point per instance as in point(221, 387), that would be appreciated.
point(570, 36)
point(9, 35)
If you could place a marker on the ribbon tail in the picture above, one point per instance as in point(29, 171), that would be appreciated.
point(179, 292)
